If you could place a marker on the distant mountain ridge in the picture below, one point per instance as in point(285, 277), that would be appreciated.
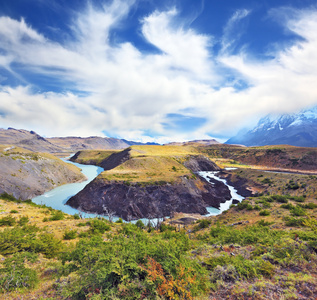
point(202, 142)
point(292, 129)
point(32, 141)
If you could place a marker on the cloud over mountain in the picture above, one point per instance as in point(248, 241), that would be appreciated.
point(110, 85)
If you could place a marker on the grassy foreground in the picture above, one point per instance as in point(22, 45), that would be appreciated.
point(263, 248)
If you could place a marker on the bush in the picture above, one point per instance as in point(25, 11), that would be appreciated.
point(280, 198)
point(244, 205)
point(57, 216)
point(7, 221)
point(291, 185)
point(135, 264)
point(291, 221)
point(204, 223)
point(99, 226)
point(70, 235)
point(288, 206)
point(308, 205)
point(15, 275)
point(264, 213)
point(47, 244)
point(14, 211)
point(120, 221)
point(76, 216)
point(265, 223)
point(298, 211)
point(140, 224)
point(23, 220)
point(9, 197)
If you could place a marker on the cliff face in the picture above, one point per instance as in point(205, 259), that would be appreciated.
point(25, 174)
point(133, 201)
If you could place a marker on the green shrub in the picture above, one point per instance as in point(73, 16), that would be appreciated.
point(14, 211)
point(298, 211)
point(264, 223)
point(267, 181)
point(291, 185)
point(308, 205)
point(164, 227)
point(245, 204)
point(9, 197)
point(7, 221)
point(287, 206)
point(120, 221)
point(14, 275)
point(245, 268)
point(76, 216)
point(140, 224)
point(99, 226)
point(23, 220)
point(83, 234)
point(291, 221)
point(47, 244)
point(57, 216)
point(280, 198)
point(127, 267)
point(204, 223)
point(264, 213)
point(70, 235)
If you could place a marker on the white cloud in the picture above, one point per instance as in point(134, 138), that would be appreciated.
point(130, 93)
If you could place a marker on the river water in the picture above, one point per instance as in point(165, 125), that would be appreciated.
point(223, 206)
point(57, 197)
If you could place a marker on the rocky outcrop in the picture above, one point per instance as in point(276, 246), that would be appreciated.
point(242, 185)
point(200, 163)
point(134, 201)
point(27, 174)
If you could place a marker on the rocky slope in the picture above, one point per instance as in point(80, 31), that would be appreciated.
point(27, 140)
point(145, 183)
point(294, 129)
point(25, 174)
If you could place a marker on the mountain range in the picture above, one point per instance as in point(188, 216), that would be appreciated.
point(30, 140)
point(298, 129)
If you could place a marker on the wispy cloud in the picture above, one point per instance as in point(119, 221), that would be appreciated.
point(232, 31)
point(119, 89)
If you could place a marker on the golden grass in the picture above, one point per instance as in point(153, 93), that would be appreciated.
point(149, 169)
point(36, 216)
point(94, 155)
point(153, 150)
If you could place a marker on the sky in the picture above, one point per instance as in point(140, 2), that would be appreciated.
point(154, 71)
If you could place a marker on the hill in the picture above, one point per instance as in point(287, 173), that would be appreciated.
point(28, 140)
point(143, 181)
point(26, 174)
point(59, 145)
point(281, 158)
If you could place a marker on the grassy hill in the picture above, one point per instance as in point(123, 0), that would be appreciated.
point(282, 157)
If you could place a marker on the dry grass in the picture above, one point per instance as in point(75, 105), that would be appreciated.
point(95, 156)
point(152, 164)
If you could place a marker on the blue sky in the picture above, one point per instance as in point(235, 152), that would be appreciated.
point(150, 70)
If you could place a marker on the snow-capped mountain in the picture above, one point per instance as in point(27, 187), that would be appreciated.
point(294, 129)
